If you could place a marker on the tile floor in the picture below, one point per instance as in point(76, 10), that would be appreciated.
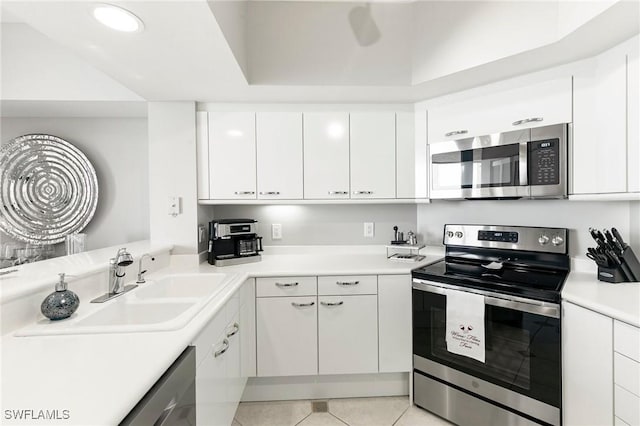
point(387, 411)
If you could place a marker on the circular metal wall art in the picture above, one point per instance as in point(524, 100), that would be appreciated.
point(48, 189)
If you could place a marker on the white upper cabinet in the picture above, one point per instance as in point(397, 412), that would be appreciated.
point(599, 125)
point(232, 155)
point(202, 154)
point(407, 156)
point(489, 110)
point(633, 112)
point(326, 155)
point(279, 148)
point(373, 153)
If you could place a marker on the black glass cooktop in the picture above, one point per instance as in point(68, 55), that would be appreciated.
point(508, 277)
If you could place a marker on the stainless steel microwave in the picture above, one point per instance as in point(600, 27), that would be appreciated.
point(527, 163)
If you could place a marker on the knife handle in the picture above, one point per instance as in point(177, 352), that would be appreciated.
point(619, 238)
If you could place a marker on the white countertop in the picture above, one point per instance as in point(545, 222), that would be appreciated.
point(619, 301)
point(100, 378)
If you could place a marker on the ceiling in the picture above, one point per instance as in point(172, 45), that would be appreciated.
point(326, 51)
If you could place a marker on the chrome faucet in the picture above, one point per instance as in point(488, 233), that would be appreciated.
point(141, 273)
point(116, 270)
point(116, 276)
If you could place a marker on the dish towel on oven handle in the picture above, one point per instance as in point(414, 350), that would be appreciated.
point(465, 324)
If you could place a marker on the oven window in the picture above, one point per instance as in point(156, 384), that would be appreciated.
point(522, 349)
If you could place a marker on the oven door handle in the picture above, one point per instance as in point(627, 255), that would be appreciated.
point(537, 307)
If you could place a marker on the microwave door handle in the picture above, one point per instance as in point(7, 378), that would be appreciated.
point(524, 166)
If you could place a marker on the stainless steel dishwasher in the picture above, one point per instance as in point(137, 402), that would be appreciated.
point(172, 399)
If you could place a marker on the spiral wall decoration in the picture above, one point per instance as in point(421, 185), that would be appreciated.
point(48, 189)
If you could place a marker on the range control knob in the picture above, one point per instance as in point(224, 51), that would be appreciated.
point(557, 240)
point(459, 234)
point(450, 234)
point(543, 240)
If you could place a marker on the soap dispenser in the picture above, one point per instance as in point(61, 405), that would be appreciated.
point(61, 303)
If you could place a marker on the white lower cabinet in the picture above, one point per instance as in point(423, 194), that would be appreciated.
point(348, 334)
point(587, 363)
point(221, 368)
point(287, 336)
point(394, 323)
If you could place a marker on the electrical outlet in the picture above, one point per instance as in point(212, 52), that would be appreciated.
point(368, 230)
point(276, 231)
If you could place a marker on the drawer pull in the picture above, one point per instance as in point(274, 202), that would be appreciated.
point(346, 283)
point(332, 303)
point(362, 192)
point(287, 284)
point(225, 346)
point(338, 192)
point(236, 328)
point(302, 305)
point(456, 132)
point(244, 192)
point(526, 120)
point(270, 193)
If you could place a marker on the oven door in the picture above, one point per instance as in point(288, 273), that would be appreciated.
point(522, 350)
point(491, 166)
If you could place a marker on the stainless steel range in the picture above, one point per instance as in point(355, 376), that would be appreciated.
point(486, 326)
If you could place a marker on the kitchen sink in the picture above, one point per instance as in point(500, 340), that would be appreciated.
point(183, 285)
point(161, 304)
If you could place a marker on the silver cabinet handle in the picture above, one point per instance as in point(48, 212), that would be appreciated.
point(456, 132)
point(287, 284)
point(338, 192)
point(236, 328)
point(269, 192)
point(332, 303)
point(347, 282)
point(225, 346)
point(363, 192)
point(244, 192)
point(526, 120)
point(302, 305)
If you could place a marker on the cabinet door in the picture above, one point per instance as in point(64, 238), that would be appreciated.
point(326, 155)
point(279, 147)
point(587, 362)
point(248, 329)
point(406, 157)
point(287, 333)
point(348, 334)
point(211, 386)
point(232, 155)
point(599, 125)
point(633, 112)
point(234, 380)
point(394, 322)
point(373, 154)
point(202, 154)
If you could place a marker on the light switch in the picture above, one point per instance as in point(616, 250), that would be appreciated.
point(276, 231)
point(174, 206)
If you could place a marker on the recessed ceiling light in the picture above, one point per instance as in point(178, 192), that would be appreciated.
point(117, 18)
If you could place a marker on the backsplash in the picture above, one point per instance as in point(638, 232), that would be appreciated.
point(577, 216)
point(325, 224)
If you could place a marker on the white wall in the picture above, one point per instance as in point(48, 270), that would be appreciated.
point(325, 224)
point(577, 216)
point(117, 148)
point(172, 172)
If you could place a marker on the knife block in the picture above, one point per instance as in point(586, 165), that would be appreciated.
point(617, 275)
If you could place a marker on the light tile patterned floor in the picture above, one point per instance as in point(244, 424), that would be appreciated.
point(387, 411)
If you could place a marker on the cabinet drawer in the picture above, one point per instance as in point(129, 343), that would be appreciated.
point(627, 406)
point(626, 373)
point(210, 335)
point(286, 286)
point(626, 340)
point(618, 422)
point(348, 284)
